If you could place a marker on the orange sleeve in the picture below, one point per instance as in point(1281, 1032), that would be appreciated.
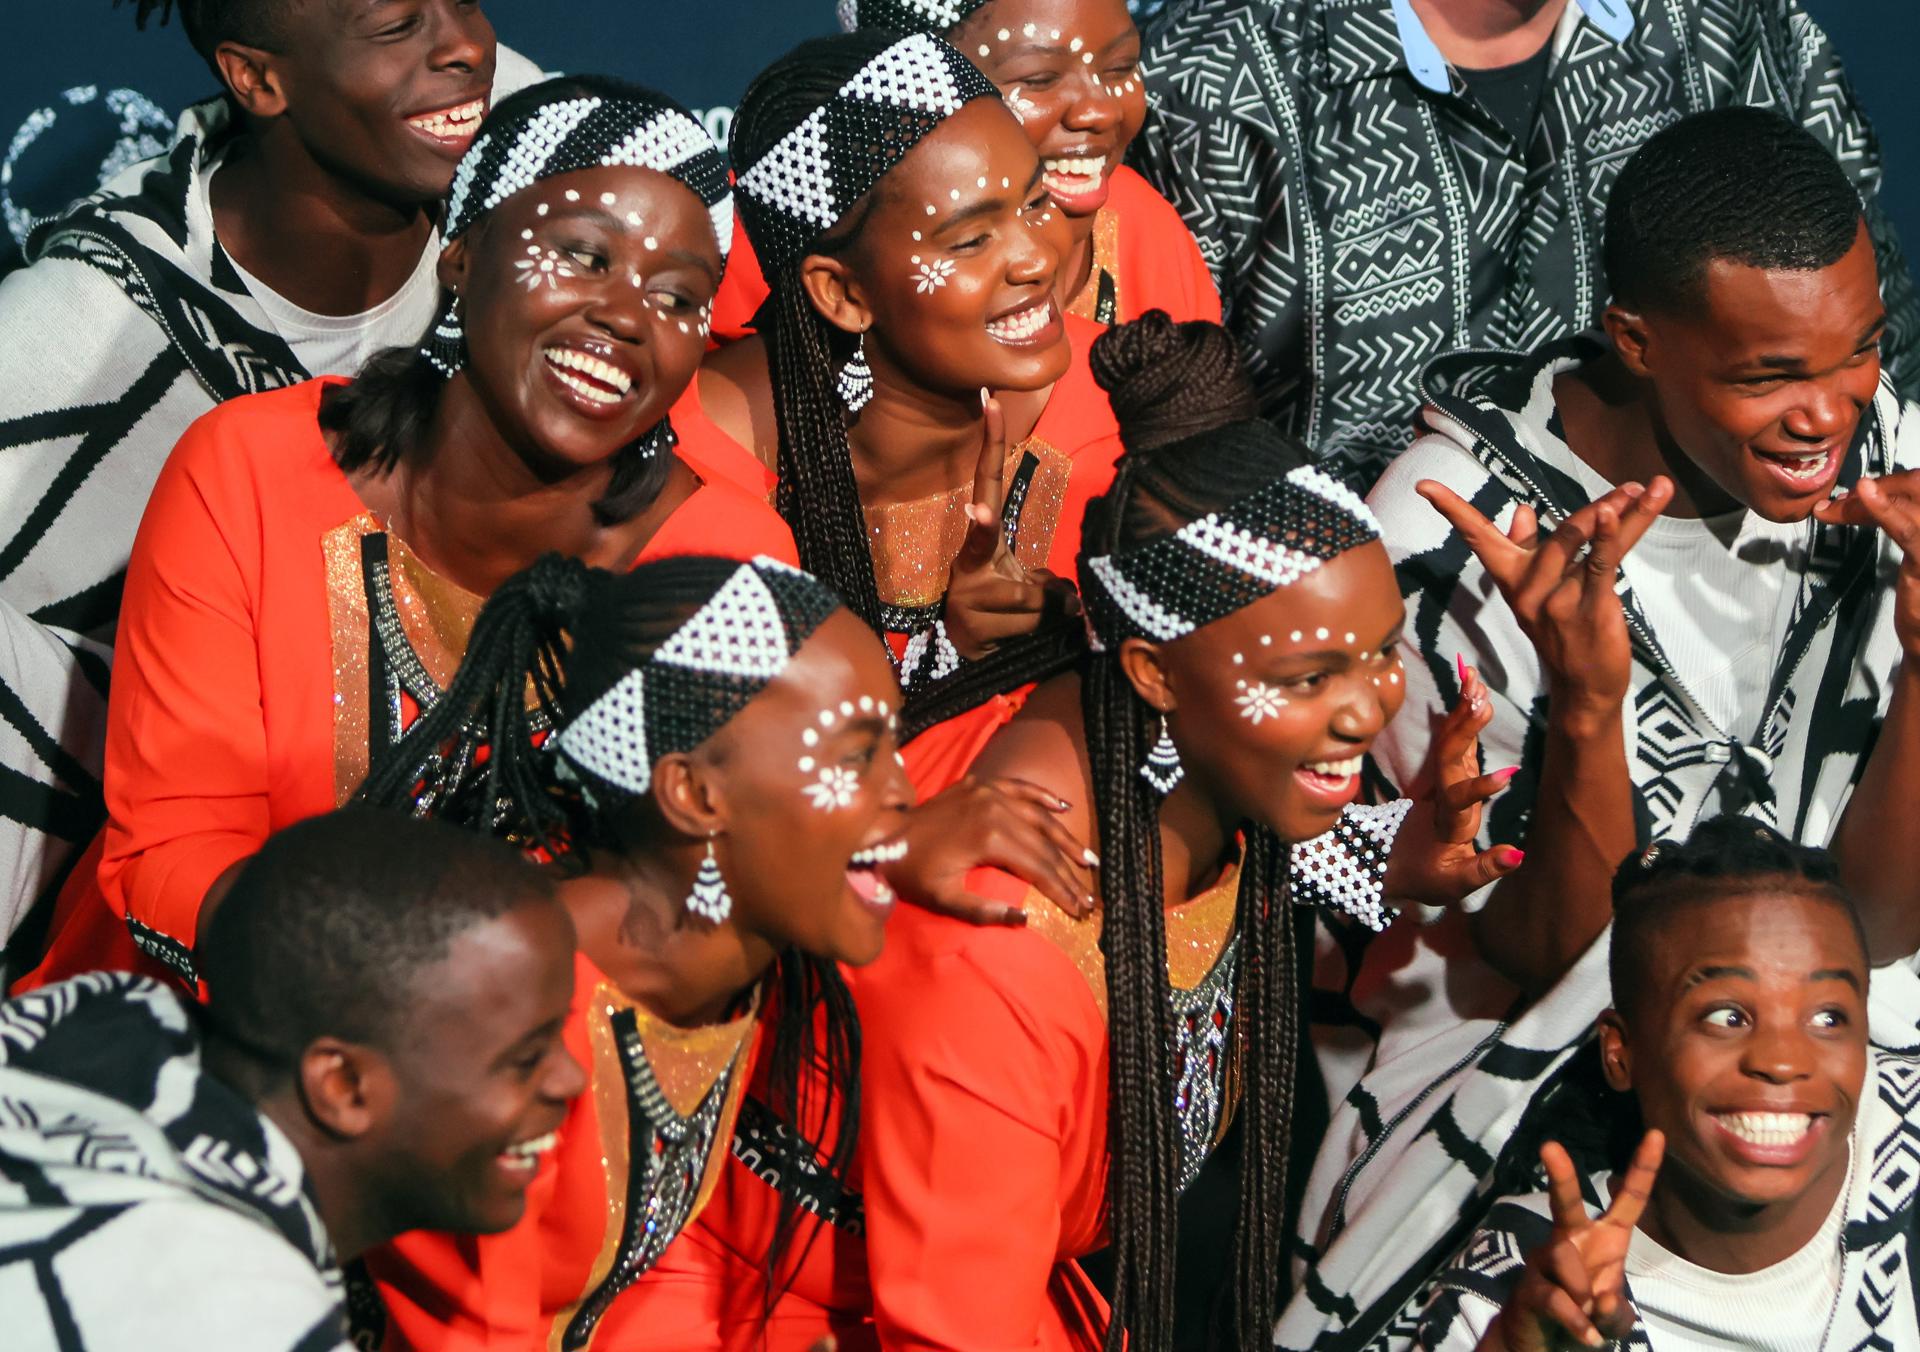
point(968, 1086)
point(186, 769)
point(742, 291)
point(719, 519)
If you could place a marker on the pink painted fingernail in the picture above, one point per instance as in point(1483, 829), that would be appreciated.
point(1504, 775)
point(1090, 859)
point(1510, 857)
point(1460, 665)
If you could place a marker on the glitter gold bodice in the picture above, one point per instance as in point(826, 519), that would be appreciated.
point(914, 543)
point(1099, 299)
point(667, 1099)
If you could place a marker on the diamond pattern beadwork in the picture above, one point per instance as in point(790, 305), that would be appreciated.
point(610, 735)
point(800, 187)
point(1346, 869)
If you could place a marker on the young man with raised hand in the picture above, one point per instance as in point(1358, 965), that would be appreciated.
point(381, 1051)
point(290, 231)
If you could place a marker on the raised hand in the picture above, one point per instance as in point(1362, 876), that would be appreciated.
point(1561, 589)
point(998, 823)
point(991, 595)
point(1435, 860)
point(1576, 1283)
point(1892, 503)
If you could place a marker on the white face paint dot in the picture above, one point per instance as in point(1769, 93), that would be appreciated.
point(810, 737)
point(954, 193)
point(1054, 35)
point(540, 210)
point(526, 234)
point(1004, 35)
point(1030, 30)
point(885, 710)
point(929, 208)
point(1076, 44)
point(607, 199)
point(683, 326)
point(1297, 636)
point(636, 281)
point(981, 183)
point(1319, 633)
point(985, 50)
point(846, 707)
point(1394, 676)
point(916, 240)
point(826, 718)
point(806, 765)
point(633, 218)
point(572, 196)
point(866, 704)
point(1006, 183)
point(1086, 58)
point(651, 242)
point(916, 259)
point(1239, 659)
point(1349, 638)
point(1266, 640)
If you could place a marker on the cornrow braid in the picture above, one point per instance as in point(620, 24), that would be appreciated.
point(818, 494)
point(1182, 462)
point(568, 633)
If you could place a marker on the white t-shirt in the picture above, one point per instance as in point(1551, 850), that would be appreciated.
point(339, 345)
point(1783, 1308)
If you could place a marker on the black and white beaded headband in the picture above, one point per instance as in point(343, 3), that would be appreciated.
point(809, 178)
point(1212, 567)
point(906, 16)
point(511, 154)
point(727, 652)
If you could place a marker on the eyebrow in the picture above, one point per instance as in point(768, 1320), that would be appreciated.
point(1774, 361)
point(546, 1031)
point(598, 215)
point(1836, 974)
point(1053, 48)
point(1704, 974)
point(1398, 632)
point(983, 207)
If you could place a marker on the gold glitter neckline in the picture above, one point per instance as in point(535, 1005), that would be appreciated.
point(1106, 258)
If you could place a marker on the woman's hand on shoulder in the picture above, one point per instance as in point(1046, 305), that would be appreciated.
point(1007, 823)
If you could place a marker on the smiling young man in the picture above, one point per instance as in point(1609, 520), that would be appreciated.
point(1782, 1214)
point(381, 1051)
point(289, 232)
point(1756, 647)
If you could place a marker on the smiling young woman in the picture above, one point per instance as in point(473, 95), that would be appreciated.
point(722, 785)
point(913, 325)
point(1069, 71)
point(313, 558)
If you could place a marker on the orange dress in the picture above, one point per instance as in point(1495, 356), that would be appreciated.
point(596, 1211)
point(1144, 258)
point(244, 676)
point(982, 1168)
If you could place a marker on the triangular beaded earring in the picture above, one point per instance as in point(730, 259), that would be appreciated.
point(1163, 769)
point(709, 899)
point(856, 379)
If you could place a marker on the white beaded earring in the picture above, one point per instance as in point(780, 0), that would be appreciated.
point(709, 899)
point(855, 380)
point(1163, 769)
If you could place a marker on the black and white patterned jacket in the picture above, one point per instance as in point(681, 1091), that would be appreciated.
point(142, 1202)
point(1358, 224)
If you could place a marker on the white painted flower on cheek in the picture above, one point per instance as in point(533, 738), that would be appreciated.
point(1259, 701)
point(1024, 108)
point(932, 276)
point(542, 265)
point(834, 789)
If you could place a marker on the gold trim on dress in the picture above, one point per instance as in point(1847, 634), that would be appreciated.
point(1106, 258)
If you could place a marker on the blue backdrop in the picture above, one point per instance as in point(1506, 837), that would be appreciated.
point(86, 90)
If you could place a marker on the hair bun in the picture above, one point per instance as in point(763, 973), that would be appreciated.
point(1169, 381)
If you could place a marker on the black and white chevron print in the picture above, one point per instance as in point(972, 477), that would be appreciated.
point(1358, 224)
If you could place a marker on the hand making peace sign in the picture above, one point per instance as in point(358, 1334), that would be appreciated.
point(1561, 589)
point(1575, 1283)
point(991, 595)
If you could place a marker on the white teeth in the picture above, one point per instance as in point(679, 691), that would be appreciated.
point(1767, 1129)
point(528, 1151)
point(1338, 769)
point(1802, 467)
point(886, 853)
point(1018, 328)
point(882, 894)
point(451, 121)
point(1076, 172)
point(566, 359)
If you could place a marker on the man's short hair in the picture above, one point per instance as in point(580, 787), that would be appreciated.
point(1742, 184)
point(1725, 855)
point(325, 929)
point(208, 23)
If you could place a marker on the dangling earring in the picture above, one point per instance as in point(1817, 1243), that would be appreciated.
point(1163, 769)
point(856, 378)
point(709, 899)
point(659, 440)
point(445, 347)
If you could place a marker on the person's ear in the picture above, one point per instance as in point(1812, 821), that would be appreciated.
point(456, 259)
point(690, 796)
point(833, 291)
point(250, 75)
point(1616, 1062)
point(1632, 338)
point(1141, 660)
point(348, 1088)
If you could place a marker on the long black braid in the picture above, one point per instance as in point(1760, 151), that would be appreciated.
point(566, 634)
point(818, 494)
point(1182, 397)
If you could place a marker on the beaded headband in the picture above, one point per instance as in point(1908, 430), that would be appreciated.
point(906, 16)
point(641, 130)
point(727, 652)
point(805, 183)
point(1212, 567)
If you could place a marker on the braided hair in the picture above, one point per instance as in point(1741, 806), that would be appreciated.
point(1725, 855)
point(570, 633)
point(208, 23)
point(818, 495)
point(1185, 405)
